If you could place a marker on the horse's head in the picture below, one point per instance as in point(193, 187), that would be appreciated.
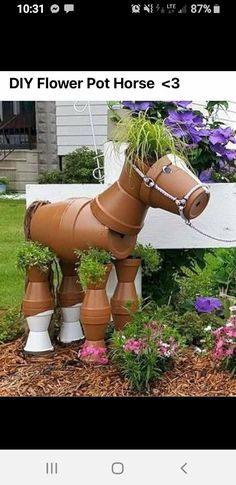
point(173, 187)
point(168, 185)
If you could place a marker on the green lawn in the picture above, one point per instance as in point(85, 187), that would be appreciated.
point(11, 237)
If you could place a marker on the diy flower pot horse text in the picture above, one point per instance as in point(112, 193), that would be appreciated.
point(113, 219)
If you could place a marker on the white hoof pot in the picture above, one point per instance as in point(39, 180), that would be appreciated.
point(38, 338)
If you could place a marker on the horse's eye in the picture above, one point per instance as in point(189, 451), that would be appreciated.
point(166, 169)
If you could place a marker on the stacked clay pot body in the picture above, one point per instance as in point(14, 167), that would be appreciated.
point(38, 297)
point(96, 312)
point(70, 297)
point(125, 292)
point(38, 305)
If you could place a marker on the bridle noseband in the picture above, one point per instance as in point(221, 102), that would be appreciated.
point(180, 203)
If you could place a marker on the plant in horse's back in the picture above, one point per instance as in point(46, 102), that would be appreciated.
point(147, 141)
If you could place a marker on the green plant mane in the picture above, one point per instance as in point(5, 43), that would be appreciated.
point(91, 266)
point(34, 254)
point(147, 141)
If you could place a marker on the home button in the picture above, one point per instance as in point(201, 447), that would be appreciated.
point(117, 468)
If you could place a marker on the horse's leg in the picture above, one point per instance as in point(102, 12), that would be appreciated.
point(38, 306)
point(125, 299)
point(70, 298)
point(95, 317)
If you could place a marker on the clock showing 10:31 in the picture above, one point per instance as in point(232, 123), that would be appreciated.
point(25, 8)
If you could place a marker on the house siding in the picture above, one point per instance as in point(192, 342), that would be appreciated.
point(228, 117)
point(74, 128)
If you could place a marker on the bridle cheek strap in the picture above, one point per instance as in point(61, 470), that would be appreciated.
point(180, 203)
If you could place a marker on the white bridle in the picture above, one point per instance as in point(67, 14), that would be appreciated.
point(180, 203)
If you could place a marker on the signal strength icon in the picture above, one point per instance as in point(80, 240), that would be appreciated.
point(183, 9)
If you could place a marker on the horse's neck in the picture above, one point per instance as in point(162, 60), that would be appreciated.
point(119, 207)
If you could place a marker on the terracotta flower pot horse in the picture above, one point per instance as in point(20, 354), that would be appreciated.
point(114, 218)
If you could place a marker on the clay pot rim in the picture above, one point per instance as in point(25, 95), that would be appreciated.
point(129, 261)
point(146, 167)
point(37, 268)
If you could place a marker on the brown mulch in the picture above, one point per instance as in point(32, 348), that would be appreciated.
point(62, 374)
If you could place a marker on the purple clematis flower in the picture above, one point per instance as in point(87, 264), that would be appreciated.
point(182, 104)
point(205, 176)
point(186, 118)
point(138, 105)
point(207, 304)
point(222, 135)
point(221, 164)
point(224, 152)
point(187, 124)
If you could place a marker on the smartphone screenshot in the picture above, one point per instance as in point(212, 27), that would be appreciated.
point(117, 243)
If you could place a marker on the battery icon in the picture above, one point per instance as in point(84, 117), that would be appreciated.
point(216, 9)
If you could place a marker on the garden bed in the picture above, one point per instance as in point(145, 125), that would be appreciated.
point(62, 374)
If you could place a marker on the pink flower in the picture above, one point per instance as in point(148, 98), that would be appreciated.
point(134, 345)
point(98, 352)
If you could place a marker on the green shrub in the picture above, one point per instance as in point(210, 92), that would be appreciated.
point(163, 285)
point(192, 326)
point(143, 350)
point(91, 266)
point(34, 254)
point(224, 275)
point(79, 166)
point(150, 257)
point(51, 177)
point(11, 325)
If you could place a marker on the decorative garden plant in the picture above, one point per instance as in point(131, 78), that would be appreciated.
point(113, 219)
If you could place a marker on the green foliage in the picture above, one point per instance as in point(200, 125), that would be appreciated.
point(192, 326)
point(196, 283)
point(91, 266)
point(150, 257)
point(215, 105)
point(79, 166)
point(230, 364)
point(224, 275)
point(11, 325)
point(4, 180)
point(51, 177)
point(146, 140)
point(163, 285)
point(137, 350)
point(34, 254)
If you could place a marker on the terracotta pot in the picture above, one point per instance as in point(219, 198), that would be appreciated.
point(38, 297)
point(119, 207)
point(176, 182)
point(125, 292)
point(73, 226)
point(70, 291)
point(96, 311)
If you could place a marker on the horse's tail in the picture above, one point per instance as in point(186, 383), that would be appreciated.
point(29, 214)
